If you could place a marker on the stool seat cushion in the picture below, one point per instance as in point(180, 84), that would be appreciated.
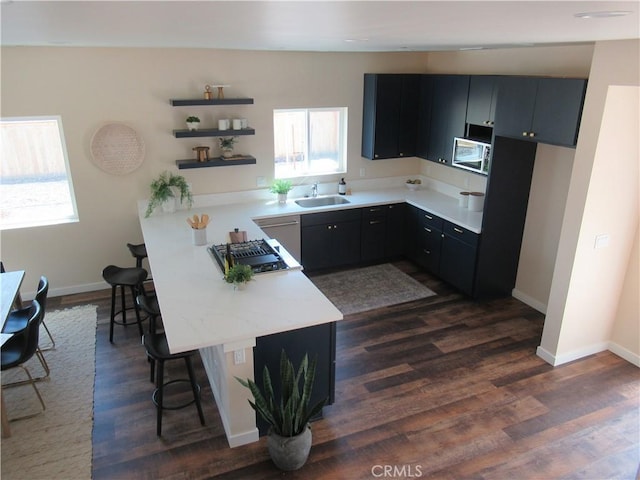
point(158, 348)
point(130, 276)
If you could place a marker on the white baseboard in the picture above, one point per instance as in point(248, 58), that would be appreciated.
point(556, 360)
point(622, 352)
point(532, 302)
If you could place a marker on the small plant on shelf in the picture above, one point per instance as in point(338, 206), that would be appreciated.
point(226, 145)
point(239, 274)
point(162, 190)
point(193, 123)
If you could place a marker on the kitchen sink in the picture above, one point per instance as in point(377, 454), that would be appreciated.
point(322, 201)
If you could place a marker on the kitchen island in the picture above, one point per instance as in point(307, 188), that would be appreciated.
point(201, 311)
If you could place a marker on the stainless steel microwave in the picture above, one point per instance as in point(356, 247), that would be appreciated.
point(471, 155)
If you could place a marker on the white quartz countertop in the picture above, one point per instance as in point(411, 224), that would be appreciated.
point(199, 309)
point(438, 203)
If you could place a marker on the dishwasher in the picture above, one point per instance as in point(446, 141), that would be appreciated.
point(284, 229)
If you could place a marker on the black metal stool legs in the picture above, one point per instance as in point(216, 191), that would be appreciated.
point(195, 388)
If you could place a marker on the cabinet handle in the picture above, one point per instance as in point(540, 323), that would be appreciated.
point(456, 229)
point(525, 134)
point(329, 227)
point(374, 222)
point(428, 217)
point(532, 134)
point(375, 209)
point(428, 252)
point(401, 154)
point(428, 230)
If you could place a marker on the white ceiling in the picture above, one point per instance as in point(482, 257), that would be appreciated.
point(366, 26)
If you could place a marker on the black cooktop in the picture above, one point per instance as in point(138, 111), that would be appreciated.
point(258, 254)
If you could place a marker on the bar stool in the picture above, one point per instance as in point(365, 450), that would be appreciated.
point(124, 277)
point(158, 351)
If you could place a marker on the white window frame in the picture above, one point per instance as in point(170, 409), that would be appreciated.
point(342, 142)
point(50, 217)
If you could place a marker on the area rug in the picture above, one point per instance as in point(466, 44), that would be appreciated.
point(57, 443)
point(363, 289)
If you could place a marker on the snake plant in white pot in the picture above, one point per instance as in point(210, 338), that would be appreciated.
point(289, 438)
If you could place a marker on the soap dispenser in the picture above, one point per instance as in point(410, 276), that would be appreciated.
point(342, 187)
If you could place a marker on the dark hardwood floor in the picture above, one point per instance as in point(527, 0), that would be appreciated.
point(443, 388)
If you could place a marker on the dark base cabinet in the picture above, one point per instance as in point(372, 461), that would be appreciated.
point(330, 239)
point(383, 232)
point(319, 340)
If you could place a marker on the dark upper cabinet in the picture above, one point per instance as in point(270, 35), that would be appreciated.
point(483, 95)
point(447, 117)
point(390, 115)
point(545, 110)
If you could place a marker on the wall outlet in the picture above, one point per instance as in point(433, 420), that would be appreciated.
point(601, 241)
point(362, 172)
point(238, 357)
point(261, 182)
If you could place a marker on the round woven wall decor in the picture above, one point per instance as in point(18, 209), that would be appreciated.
point(117, 148)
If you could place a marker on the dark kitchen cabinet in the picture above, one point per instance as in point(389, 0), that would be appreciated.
point(330, 239)
point(428, 232)
point(318, 341)
point(443, 248)
point(448, 103)
point(483, 96)
point(390, 115)
point(382, 233)
point(545, 110)
point(458, 257)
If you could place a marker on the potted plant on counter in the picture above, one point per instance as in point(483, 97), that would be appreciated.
point(281, 187)
point(289, 438)
point(239, 275)
point(163, 193)
point(193, 123)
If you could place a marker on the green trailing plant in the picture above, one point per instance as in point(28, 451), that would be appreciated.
point(289, 415)
point(193, 119)
point(161, 190)
point(280, 186)
point(239, 273)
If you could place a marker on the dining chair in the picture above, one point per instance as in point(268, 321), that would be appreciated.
point(19, 318)
point(19, 349)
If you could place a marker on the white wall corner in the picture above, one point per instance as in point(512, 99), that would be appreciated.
point(625, 354)
point(529, 300)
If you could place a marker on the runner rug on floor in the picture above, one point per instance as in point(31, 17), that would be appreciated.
point(55, 444)
point(368, 288)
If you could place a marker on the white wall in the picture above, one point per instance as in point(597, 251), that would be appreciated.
point(588, 283)
point(91, 86)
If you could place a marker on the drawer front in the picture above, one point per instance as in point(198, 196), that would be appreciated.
point(375, 211)
point(462, 234)
point(330, 217)
point(428, 219)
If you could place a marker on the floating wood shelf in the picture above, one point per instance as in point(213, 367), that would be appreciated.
point(213, 132)
point(213, 101)
point(217, 162)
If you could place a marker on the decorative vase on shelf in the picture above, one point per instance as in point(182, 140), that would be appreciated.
point(227, 152)
point(193, 123)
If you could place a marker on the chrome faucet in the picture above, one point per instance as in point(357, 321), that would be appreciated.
point(314, 190)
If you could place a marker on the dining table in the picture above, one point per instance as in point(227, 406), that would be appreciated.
point(10, 283)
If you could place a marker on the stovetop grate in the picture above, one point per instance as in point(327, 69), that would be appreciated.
point(261, 256)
